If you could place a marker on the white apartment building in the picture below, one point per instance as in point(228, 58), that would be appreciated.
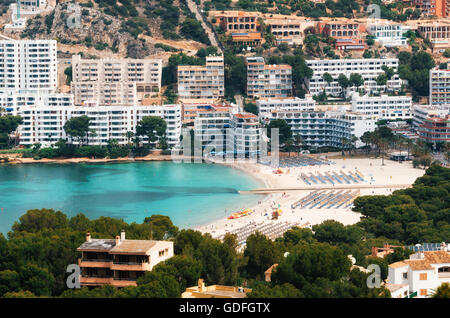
point(419, 275)
point(222, 132)
point(28, 66)
point(440, 87)
point(388, 33)
point(369, 69)
point(325, 128)
point(115, 82)
point(45, 125)
point(32, 6)
point(384, 106)
point(266, 106)
point(14, 101)
point(198, 82)
point(422, 112)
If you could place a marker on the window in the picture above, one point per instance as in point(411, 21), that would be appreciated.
point(405, 275)
point(423, 276)
point(423, 292)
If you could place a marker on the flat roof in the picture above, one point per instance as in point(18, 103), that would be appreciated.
point(98, 245)
point(134, 246)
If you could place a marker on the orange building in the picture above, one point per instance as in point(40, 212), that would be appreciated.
point(439, 8)
point(238, 21)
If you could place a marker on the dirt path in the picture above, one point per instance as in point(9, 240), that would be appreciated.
point(194, 9)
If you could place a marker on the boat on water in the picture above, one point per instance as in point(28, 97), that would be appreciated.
point(240, 214)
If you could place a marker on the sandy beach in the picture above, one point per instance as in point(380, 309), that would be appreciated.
point(379, 179)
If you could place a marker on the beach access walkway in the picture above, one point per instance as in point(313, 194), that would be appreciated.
point(326, 187)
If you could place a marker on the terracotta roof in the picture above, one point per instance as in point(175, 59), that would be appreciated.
point(418, 264)
point(245, 115)
point(398, 264)
point(437, 257)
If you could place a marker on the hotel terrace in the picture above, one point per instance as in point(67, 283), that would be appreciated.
point(438, 32)
point(119, 262)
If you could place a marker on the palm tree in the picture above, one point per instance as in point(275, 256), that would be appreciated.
point(383, 146)
point(345, 142)
point(442, 291)
point(353, 141)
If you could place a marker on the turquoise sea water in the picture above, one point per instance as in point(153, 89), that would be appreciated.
point(191, 194)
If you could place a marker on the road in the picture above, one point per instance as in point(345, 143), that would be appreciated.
point(212, 38)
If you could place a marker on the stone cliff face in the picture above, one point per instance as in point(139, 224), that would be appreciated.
point(72, 24)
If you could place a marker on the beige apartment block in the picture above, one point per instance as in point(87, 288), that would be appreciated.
point(115, 81)
point(198, 82)
point(268, 81)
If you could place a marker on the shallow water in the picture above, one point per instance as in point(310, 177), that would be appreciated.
point(191, 194)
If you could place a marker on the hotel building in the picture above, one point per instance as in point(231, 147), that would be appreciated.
point(28, 66)
point(242, 26)
point(324, 128)
point(419, 275)
point(440, 87)
point(383, 107)
point(389, 34)
point(13, 101)
point(289, 30)
point(369, 69)
point(266, 106)
point(346, 32)
point(197, 82)
point(221, 131)
point(437, 32)
point(435, 129)
point(115, 82)
point(268, 81)
point(119, 262)
point(45, 124)
point(422, 112)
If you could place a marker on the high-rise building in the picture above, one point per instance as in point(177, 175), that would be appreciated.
point(198, 82)
point(268, 81)
point(440, 87)
point(115, 81)
point(28, 66)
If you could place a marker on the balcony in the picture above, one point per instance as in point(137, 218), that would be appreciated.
point(130, 266)
point(98, 263)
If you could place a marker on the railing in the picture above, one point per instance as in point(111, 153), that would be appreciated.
point(125, 278)
point(96, 260)
point(128, 263)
